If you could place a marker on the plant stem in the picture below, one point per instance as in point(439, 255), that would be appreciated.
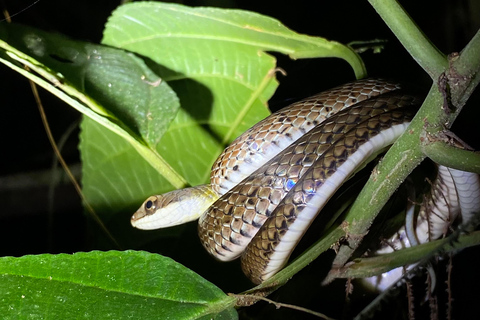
point(406, 153)
point(397, 164)
point(367, 267)
point(464, 73)
point(452, 157)
point(469, 60)
point(412, 38)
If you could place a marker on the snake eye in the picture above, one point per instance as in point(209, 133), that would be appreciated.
point(150, 205)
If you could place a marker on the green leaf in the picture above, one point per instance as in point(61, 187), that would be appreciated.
point(107, 285)
point(105, 155)
point(120, 83)
point(115, 89)
point(179, 28)
point(223, 86)
point(216, 62)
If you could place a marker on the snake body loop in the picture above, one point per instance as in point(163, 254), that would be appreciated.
point(271, 182)
point(290, 181)
point(267, 138)
point(454, 196)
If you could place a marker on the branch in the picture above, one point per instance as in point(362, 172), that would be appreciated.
point(464, 73)
point(455, 86)
point(367, 267)
point(450, 156)
point(412, 38)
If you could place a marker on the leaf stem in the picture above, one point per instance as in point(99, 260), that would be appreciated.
point(452, 157)
point(367, 267)
point(412, 38)
point(342, 51)
point(397, 164)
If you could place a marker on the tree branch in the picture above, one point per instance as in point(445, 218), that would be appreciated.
point(412, 38)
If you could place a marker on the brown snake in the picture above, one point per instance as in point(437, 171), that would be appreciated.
point(272, 181)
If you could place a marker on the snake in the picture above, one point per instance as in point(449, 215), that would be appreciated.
point(271, 182)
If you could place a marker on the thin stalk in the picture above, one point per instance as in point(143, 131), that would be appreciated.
point(452, 157)
point(427, 55)
point(87, 205)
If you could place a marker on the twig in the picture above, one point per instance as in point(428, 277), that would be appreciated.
point(65, 166)
point(410, 299)
point(279, 305)
point(449, 288)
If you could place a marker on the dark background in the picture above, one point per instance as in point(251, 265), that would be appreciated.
point(35, 219)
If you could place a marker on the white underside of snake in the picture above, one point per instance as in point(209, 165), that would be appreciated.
point(269, 185)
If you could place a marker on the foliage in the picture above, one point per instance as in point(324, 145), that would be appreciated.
point(166, 77)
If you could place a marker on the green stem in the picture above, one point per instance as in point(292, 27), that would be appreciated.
point(464, 73)
point(412, 38)
point(368, 267)
point(397, 164)
point(469, 59)
point(452, 157)
point(342, 51)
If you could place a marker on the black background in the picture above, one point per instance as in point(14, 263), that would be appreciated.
point(26, 227)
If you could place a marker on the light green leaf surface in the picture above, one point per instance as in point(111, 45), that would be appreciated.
point(107, 285)
point(223, 86)
point(117, 174)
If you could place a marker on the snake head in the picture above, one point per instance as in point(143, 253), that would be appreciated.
point(148, 208)
point(173, 208)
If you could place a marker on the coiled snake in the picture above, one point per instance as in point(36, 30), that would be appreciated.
point(272, 181)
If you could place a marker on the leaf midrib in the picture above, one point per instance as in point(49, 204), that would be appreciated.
point(257, 45)
point(138, 294)
point(193, 12)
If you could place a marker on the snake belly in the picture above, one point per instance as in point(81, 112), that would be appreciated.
point(454, 198)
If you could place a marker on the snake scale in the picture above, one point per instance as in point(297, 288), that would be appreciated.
point(268, 186)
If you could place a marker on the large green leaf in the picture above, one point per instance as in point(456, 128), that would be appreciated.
point(107, 285)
